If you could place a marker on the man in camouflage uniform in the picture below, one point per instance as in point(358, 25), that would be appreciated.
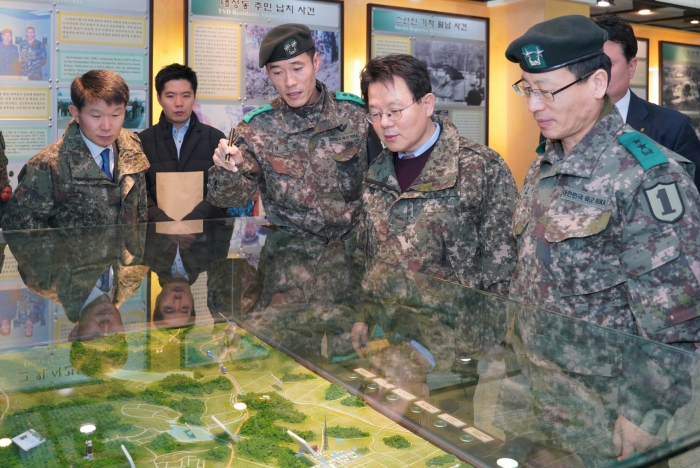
point(94, 175)
point(608, 223)
point(9, 56)
point(90, 271)
point(302, 150)
point(434, 202)
point(32, 54)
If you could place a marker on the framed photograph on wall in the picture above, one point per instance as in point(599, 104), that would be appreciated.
point(680, 79)
point(640, 81)
point(455, 50)
point(48, 46)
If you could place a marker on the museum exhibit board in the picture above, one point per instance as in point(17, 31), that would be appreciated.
point(223, 43)
point(293, 353)
point(455, 50)
point(55, 43)
point(639, 84)
point(679, 66)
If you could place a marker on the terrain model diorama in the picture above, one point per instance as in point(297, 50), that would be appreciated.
point(212, 396)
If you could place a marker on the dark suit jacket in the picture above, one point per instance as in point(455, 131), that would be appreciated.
point(195, 155)
point(209, 246)
point(667, 127)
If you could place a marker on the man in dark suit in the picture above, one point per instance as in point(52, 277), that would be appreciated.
point(666, 126)
point(179, 142)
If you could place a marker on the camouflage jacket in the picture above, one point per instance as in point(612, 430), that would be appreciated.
point(65, 264)
point(33, 57)
point(309, 174)
point(452, 222)
point(570, 380)
point(610, 237)
point(64, 187)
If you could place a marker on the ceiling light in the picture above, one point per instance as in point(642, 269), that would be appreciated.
point(645, 11)
point(604, 3)
point(694, 22)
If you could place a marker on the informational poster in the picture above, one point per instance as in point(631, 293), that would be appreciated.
point(680, 68)
point(24, 103)
point(217, 79)
point(45, 45)
point(639, 84)
point(24, 142)
point(78, 28)
point(132, 67)
point(455, 50)
point(223, 45)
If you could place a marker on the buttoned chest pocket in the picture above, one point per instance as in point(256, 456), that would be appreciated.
point(663, 288)
point(286, 170)
point(584, 257)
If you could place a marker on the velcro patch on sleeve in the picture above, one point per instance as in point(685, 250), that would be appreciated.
point(644, 149)
point(341, 96)
point(247, 118)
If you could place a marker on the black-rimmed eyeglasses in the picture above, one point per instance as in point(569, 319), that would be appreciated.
point(541, 93)
point(392, 114)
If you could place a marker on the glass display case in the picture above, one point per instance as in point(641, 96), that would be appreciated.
point(235, 344)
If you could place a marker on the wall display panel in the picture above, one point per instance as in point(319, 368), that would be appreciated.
point(680, 75)
point(223, 44)
point(51, 44)
point(639, 84)
point(455, 49)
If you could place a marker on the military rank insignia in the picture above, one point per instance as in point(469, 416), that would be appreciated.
point(665, 202)
point(533, 56)
point(290, 47)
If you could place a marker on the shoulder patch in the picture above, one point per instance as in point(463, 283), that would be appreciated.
point(644, 149)
point(540, 147)
point(247, 118)
point(341, 96)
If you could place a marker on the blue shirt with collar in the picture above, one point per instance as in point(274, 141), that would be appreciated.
point(95, 151)
point(426, 145)
point(179, 136)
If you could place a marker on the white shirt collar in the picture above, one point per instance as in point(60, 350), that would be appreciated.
point(95, 151)
point(623, 105)
point(426, 145)
point(97, 292)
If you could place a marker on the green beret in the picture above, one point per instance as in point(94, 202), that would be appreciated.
point(284, 42)
point(557, 43)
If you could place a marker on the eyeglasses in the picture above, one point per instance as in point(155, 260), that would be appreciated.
point(541, 93)
point(393, 114)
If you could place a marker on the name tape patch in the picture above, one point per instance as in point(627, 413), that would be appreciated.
point(584, 198)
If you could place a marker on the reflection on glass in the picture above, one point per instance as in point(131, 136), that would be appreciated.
point(247, 338)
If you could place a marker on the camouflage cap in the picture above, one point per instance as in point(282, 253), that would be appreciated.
point(557, 43)
point(284, 42)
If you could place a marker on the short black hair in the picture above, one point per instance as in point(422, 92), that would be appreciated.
point(383, 70)
point(175, 71)
point(588, 66)
point(621, 32)
point(99, 85)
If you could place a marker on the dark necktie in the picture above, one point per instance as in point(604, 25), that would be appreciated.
point(104, 282)
point(105, 163)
